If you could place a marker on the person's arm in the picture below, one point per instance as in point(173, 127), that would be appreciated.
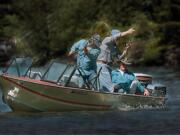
point(146, 92)
point(71, 53)
point(142, 89)
point(128, 32)
point(77, 47)
point(123, 34)
point(74, 49)
point(114, 77)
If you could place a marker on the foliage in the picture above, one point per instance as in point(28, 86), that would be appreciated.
point(152, 51)
point(46, 29)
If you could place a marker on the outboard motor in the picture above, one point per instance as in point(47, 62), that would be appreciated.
point(157, 89)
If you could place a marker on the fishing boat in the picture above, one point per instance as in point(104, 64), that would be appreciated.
point(56, 90)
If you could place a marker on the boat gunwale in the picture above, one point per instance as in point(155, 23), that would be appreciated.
point(97, 106)
point(53, 84)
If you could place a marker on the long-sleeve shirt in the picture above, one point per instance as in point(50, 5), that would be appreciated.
point(78, 48)
point(86, 61)
point(108, 49)
point(124, 80)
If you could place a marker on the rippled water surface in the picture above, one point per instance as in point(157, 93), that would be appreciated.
point(160, 121)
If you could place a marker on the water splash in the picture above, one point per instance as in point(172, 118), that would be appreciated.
point(140, 107)
point(3, 107)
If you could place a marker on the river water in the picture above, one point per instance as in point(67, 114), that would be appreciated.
point(159, 121)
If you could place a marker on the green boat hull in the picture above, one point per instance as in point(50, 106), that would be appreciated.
point(25, 94)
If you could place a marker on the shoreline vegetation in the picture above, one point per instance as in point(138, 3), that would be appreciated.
point(47, 29)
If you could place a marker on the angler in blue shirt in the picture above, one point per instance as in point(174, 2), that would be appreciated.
point(86, 52)
point(125, 81)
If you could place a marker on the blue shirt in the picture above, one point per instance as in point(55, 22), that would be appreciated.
point(78, 49)
point(125, 80)
point(85, 61)
point(93, 54)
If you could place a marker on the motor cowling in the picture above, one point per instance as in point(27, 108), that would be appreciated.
point(157, 89)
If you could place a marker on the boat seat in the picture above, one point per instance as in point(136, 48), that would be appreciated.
point(35, 75)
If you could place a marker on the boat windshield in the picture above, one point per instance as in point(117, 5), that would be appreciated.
point(60, 73)
point(68, 75)
point(19, 66)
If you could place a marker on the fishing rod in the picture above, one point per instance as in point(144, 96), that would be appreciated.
point(129, 43)
point(125, 51)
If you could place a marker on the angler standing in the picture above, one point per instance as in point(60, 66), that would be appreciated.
point(108, 53)
point(86, 52)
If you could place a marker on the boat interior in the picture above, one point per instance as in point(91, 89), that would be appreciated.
point(64, 74)
point(55, 72)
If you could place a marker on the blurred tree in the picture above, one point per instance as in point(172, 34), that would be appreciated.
point(46, 29)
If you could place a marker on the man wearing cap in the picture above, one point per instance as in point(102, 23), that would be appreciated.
point(107, 55)
point(125, 81)
point(86, 52)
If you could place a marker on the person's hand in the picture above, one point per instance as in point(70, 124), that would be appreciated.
point(131, 31)
point(70, 54)
point(85, 50)
point(146, 92)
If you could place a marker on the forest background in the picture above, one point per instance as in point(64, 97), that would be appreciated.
point(46, 29)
